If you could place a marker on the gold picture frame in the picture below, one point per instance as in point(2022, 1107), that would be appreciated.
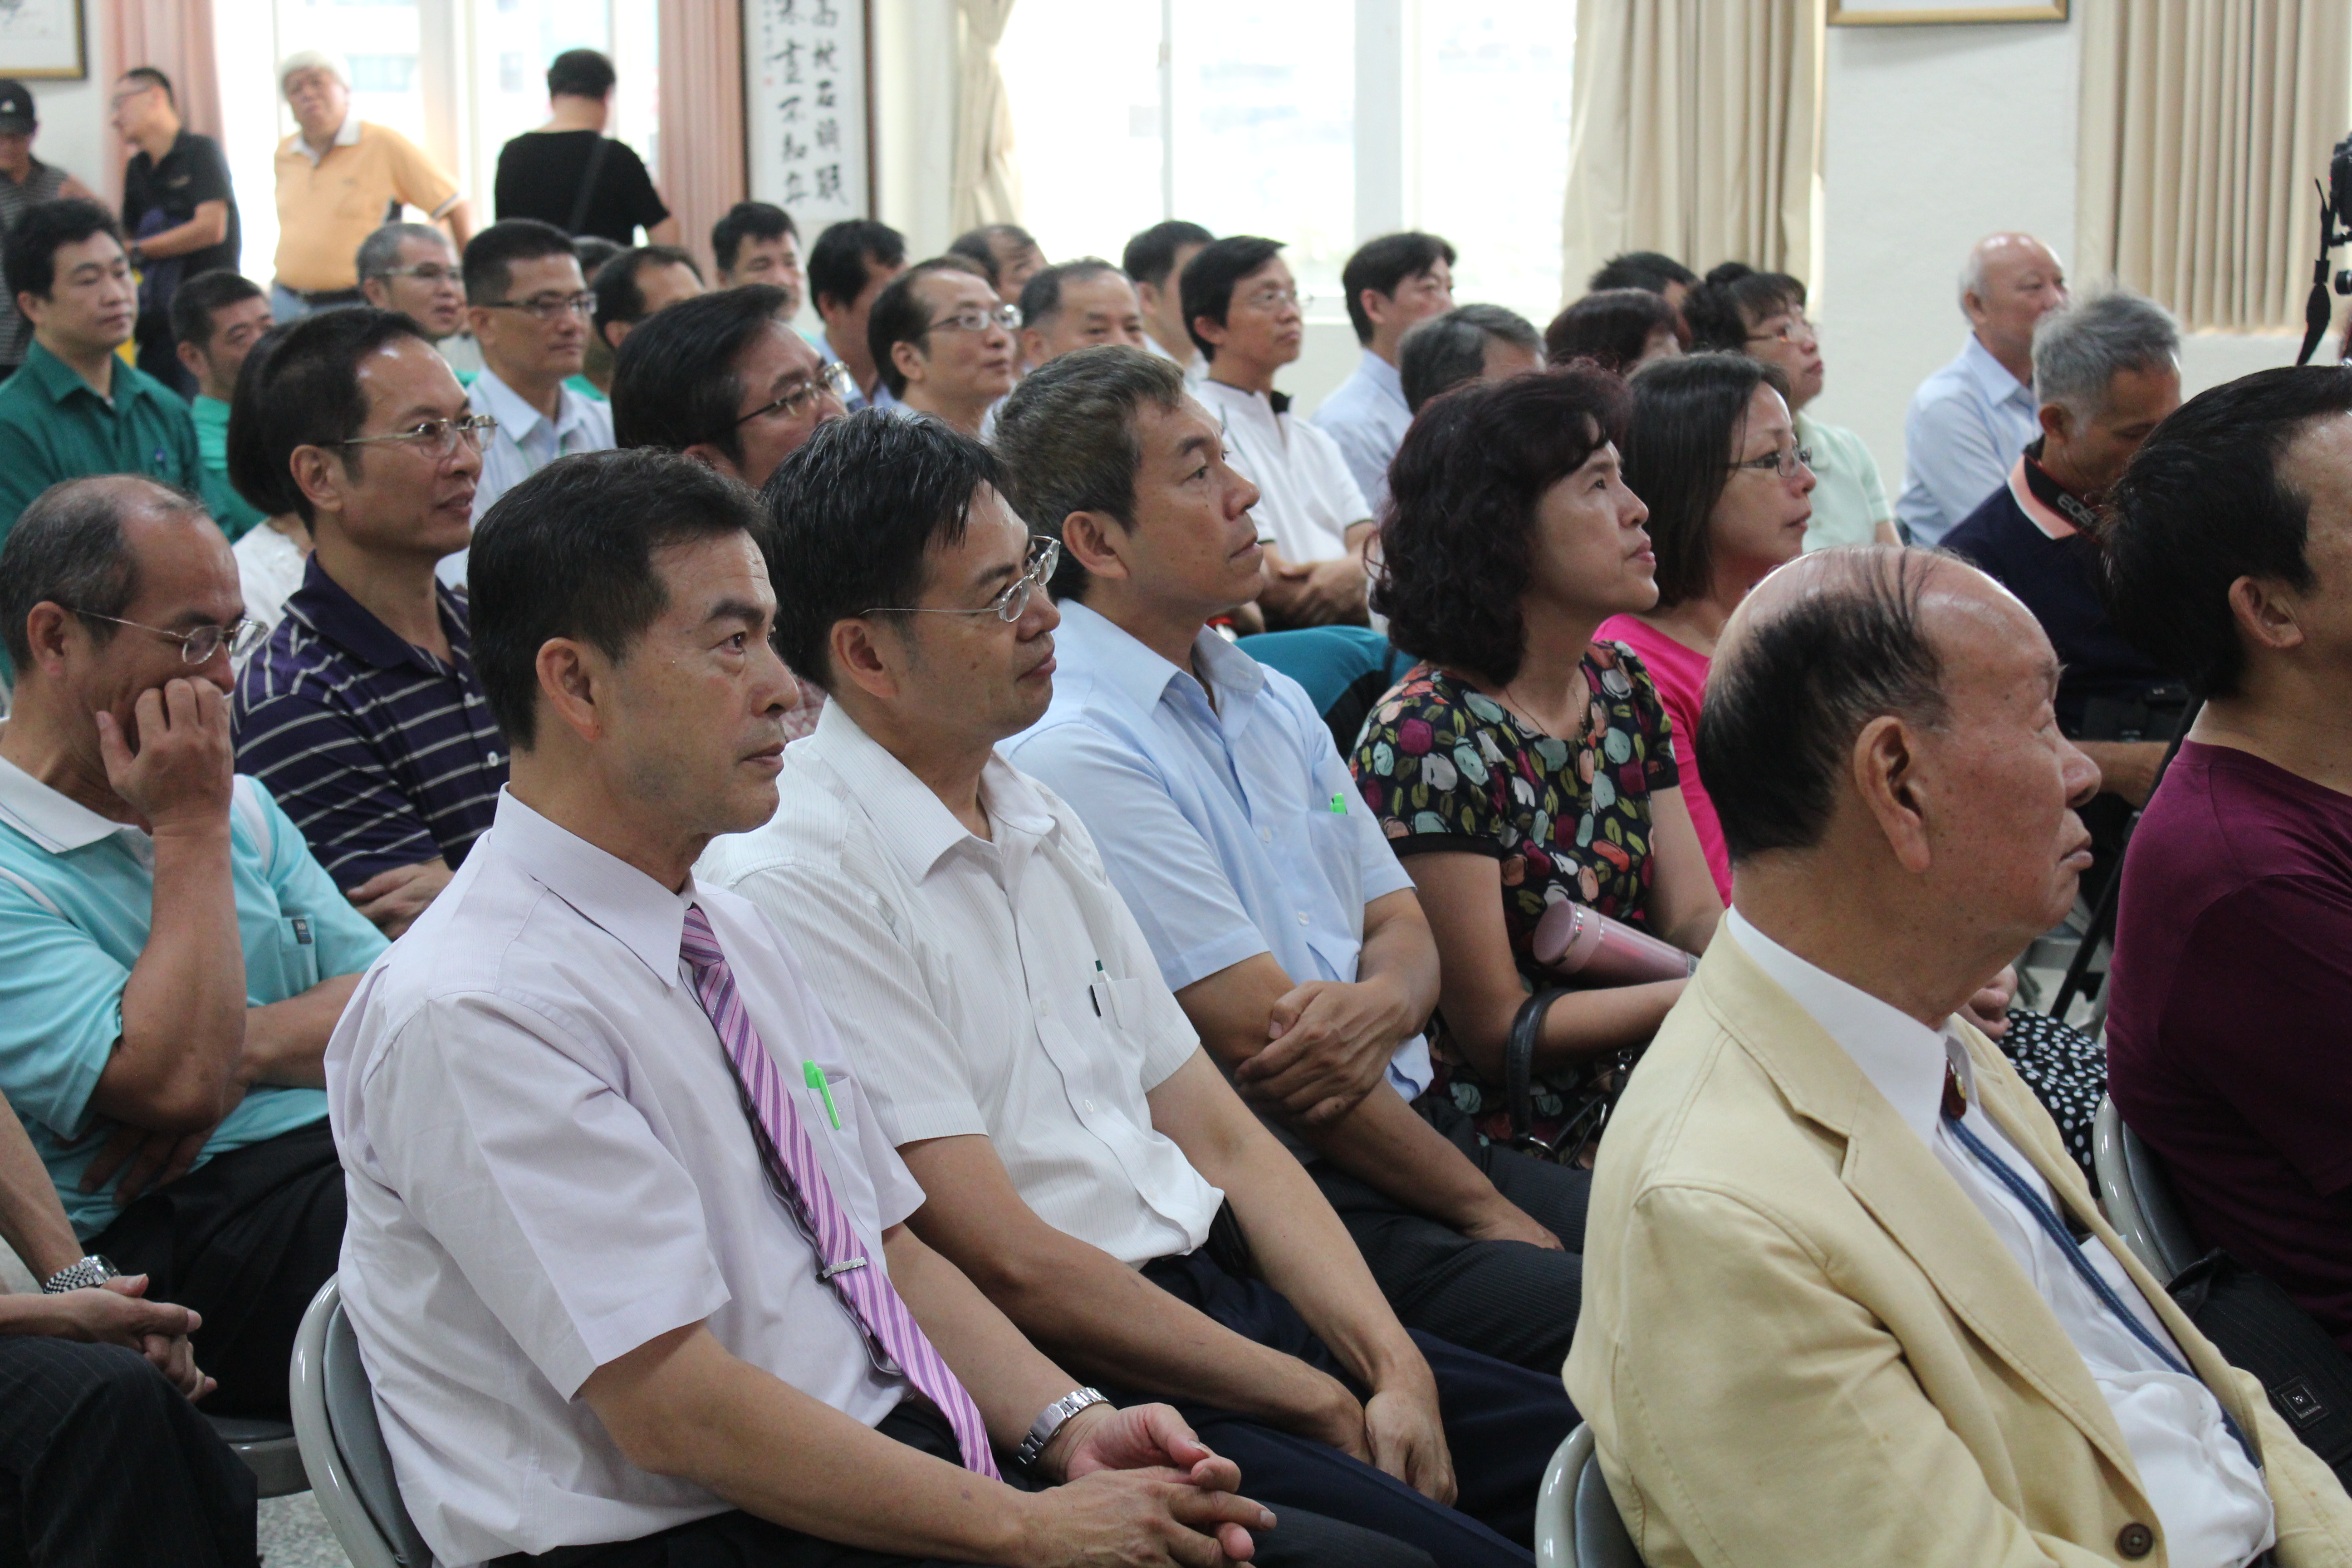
point(1916, 13)
point(44, 40)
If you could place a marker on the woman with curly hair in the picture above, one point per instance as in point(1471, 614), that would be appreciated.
point(1523, 762)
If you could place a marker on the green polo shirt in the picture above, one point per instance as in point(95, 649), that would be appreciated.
point(235, 514)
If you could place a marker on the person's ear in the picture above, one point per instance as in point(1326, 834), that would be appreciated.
point(320, 474)
point(2267, 612)
point(909, 359)
point(478, 318)
point(1376, 305)
point(1033, 347)
point(710, 457)
point(573, 679)
point(1209, 331)
point(34, 308)
point(2056, 422)
point(613, 334)
point(192, 359)
point(1885, 774)
point(1095, 541)
point(859, 659)
point(374, 291)
point(50, 626)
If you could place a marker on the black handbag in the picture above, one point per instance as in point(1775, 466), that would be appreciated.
point(2258, 1327)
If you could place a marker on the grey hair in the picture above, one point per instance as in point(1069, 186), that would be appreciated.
point(2080, 348)
point(380, 252)
point(1066, 439)
point(69, 549)
point(1446, 351)
point(326, 60)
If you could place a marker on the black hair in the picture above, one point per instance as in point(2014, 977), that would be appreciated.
point(619, 296)
point(850, 516)
point(2204, 503)
point(836, 262)
point(979, 245)
point(30, 259)
point(1041, 297)
point(301, 387)
point(900, 316)
point(1734, 295)
point(1210, 277)
point(1066, 439)
point(1678, 455)
point(593, 251)
point(674, 381)
point(1612, 328)
point(581, 73)
point(748, 220)
point(491, 254)
point(68, 548)
point(1443, 351)
point(1150, 256)
point(569, 553)
point(150, 74)
point(193, 302)
point(1463, 492)
point(1785, 701)
point(1649, 269)
point(1383, 266)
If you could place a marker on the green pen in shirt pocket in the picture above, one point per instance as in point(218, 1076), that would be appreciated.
point(816, 1075)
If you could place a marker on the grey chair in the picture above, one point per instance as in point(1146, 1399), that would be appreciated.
point(2138, 1196)
point(269, 1450)
point(1577, 1521)
point(343, 1446)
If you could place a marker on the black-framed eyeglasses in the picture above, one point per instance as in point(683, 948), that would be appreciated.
point(550, 307)
point(833, 377)
point(241, 636)
point(1044, 554)
point(975, 319)
point(1782, 463)
point(438, 436)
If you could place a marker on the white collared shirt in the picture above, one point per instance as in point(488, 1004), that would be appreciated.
point(994, 986)
point(347, 134)
point(2209, 1498)
point(1306, 497)
point(1367, 417)
point(1966, 424)
point(548, 1166)
point(1196, 369)
point(525, 442)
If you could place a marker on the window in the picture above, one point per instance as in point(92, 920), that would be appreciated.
point(1317, 122)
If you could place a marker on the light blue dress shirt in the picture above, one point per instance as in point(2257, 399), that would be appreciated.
point(1367, 417)
point(1230, 830)
point(77, 891)
point(1967, 425)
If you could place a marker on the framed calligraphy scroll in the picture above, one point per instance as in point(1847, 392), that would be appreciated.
point(807, 115)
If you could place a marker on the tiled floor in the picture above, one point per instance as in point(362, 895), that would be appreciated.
point(294, 1535)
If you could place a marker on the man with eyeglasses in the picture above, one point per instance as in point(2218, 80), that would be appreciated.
point(1247, 316)
point(410, 268)
point(177, 958)
point(363, 714)
point(1392, 284)
point(943, 341)
point(530, 309)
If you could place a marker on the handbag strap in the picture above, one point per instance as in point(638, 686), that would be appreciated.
point(1519, 1062)
point(588, 183)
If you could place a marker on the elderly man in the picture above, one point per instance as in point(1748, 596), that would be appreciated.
point(1078, 305)
point(177, 957)
point(178, 210)
point(1009, 254)
point(216, 318)
point(1155, 260)
point(1851, 1301)
point(1391, 284)
point(2229, 557)
point(411, 268)
point(1969, 420)
point(337, 177)
point(850, 264)
point(751, 1358)
point(1470, 342)
point(25, 181)
point(944, 343)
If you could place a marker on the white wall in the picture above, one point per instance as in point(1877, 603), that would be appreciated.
point(73, 132)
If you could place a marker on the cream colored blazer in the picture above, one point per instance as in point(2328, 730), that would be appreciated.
point(1801, 1344)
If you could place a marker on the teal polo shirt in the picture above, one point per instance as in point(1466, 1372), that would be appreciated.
point(235, 515)
point(75, 891)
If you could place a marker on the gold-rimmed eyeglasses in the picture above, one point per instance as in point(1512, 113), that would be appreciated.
point(241, 637)
point(833, 377)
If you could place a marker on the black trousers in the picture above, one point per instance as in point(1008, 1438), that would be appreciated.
point(1509, 1300)
point(245, 1238)
point(103, 1464)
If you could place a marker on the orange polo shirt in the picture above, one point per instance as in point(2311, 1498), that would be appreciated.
point(326, 206)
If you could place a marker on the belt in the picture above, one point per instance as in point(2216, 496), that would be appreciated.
point(325, 296)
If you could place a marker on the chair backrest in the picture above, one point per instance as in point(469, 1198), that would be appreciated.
point(1601, 1538)
point(2138, 1196)
point(343, 1446)
point(1577, 1522)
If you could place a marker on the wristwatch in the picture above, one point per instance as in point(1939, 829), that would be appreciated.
point(1051, 1420)
point(92, 1271)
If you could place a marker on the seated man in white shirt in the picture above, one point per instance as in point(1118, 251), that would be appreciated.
point(1392, 284)
point(943, 343)
point(626, 1258)
point(1087, 1163)
point(1247, 317)
point(1853, 1302)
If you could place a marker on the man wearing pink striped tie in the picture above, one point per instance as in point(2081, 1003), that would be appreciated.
point(627, 1259)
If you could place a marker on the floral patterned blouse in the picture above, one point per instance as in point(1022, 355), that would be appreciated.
point(1448, 768)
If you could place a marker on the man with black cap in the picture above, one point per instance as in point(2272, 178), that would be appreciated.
point(24, 180)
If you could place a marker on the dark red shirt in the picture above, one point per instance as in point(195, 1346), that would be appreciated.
point(2229, 1039)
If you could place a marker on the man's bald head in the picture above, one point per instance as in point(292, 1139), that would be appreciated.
point(2011, 280)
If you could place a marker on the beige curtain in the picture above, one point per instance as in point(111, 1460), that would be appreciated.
point(701, 151)
point(2203, 124)
point(1697, 131)
point(987, 187)
point(175, 37)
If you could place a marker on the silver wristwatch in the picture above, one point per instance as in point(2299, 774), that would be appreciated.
point(82, 1275)
point(1051, 1420)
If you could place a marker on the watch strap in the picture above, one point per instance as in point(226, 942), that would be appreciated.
point(81, 1275)
point(1051, 1420)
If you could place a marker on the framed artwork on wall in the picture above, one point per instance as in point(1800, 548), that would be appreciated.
point(808, 108)
point(1900, 13)
point(42, 40)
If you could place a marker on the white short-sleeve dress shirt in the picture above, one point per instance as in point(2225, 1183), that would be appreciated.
point(2209, 1498)
point(548, 1165)
point(995, 987)
point(1966, 424)
point(525, 442)
point(1367, 417)
point(1306, 497)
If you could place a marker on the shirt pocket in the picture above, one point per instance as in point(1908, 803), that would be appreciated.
point(288, 963)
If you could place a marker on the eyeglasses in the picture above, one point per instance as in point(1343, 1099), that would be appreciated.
point(834, 378)
point(438, 436)
point(1783, 463)
point(1794, 330)
point(127, 94)
point(1275, 299)
point(550, 307)
point(433, 272)
point(241, 635)
point(973, 319)
point(1044, 554)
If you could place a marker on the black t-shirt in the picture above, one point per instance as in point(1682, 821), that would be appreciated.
point(193, 172)
point(539, 174)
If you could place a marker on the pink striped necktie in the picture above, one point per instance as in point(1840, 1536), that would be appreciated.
point(895, 1342)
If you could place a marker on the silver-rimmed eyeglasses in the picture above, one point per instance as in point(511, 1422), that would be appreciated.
point(241, 637)
point(1044, 554)
point(438, 436)
point(550, 307)
point(973, 319)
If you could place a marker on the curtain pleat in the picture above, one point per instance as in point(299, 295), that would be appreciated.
point(701, 117)
point(175, 37)
point(987, 187)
